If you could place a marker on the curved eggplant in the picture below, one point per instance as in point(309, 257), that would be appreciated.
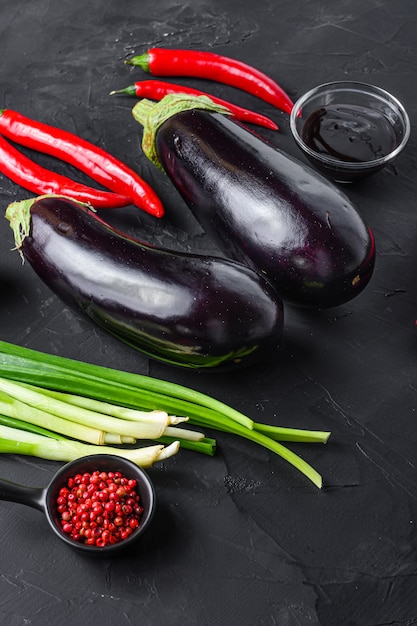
point(263, 207)
point(184, 309)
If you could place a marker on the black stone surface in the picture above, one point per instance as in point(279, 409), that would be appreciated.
point(240, 539)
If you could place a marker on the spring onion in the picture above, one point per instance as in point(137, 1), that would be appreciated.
point(16, 441)
point(142, 393)
point(50, 405)
point(51, 410)
point(206, 445)
point(12, 407)
point(150, 417)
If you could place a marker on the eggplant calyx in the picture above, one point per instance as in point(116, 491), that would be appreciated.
point(151, 115)
point(18, 214)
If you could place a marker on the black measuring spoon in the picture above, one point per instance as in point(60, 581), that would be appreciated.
point(44, 498)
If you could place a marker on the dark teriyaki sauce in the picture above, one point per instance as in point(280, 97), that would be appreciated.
point(349, 133)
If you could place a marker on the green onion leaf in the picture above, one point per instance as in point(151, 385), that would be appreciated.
point(143, 393)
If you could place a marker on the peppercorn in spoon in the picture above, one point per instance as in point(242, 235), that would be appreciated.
point(99, 504)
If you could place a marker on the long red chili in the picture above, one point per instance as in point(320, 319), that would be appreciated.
point(157, 89)
point(101, 166)
point(33, 177)
point(201, 64)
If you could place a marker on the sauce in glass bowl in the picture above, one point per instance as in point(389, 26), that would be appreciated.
point(349, 130)
point(349, 133)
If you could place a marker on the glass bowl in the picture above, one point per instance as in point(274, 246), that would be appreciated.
point(349, 130)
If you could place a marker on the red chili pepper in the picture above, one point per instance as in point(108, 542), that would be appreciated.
point(157, 89)
point(33, 177)
point(200, 64)
point(90, 159)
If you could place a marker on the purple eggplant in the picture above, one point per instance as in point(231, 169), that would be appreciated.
point(261, 206)
point(184, 309)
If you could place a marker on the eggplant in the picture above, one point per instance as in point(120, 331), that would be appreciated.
point(184, 309)
point(261, 206)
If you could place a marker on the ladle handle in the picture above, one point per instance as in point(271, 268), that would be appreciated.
point(31, 496)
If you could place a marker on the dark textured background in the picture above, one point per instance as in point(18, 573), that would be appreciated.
point(239, 539)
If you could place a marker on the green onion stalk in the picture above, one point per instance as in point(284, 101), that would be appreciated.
point(48, 382)
point(16, 441)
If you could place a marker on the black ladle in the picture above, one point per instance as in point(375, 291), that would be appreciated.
point(44, 498)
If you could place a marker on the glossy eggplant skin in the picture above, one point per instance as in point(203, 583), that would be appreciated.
point(184, 309)
point(268, 210)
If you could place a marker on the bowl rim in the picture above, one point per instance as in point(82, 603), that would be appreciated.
point(375, 90)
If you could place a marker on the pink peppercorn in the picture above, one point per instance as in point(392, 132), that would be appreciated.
point(99, 509)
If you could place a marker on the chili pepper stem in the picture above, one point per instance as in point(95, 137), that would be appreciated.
point(141, 60)
point(128, 91)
